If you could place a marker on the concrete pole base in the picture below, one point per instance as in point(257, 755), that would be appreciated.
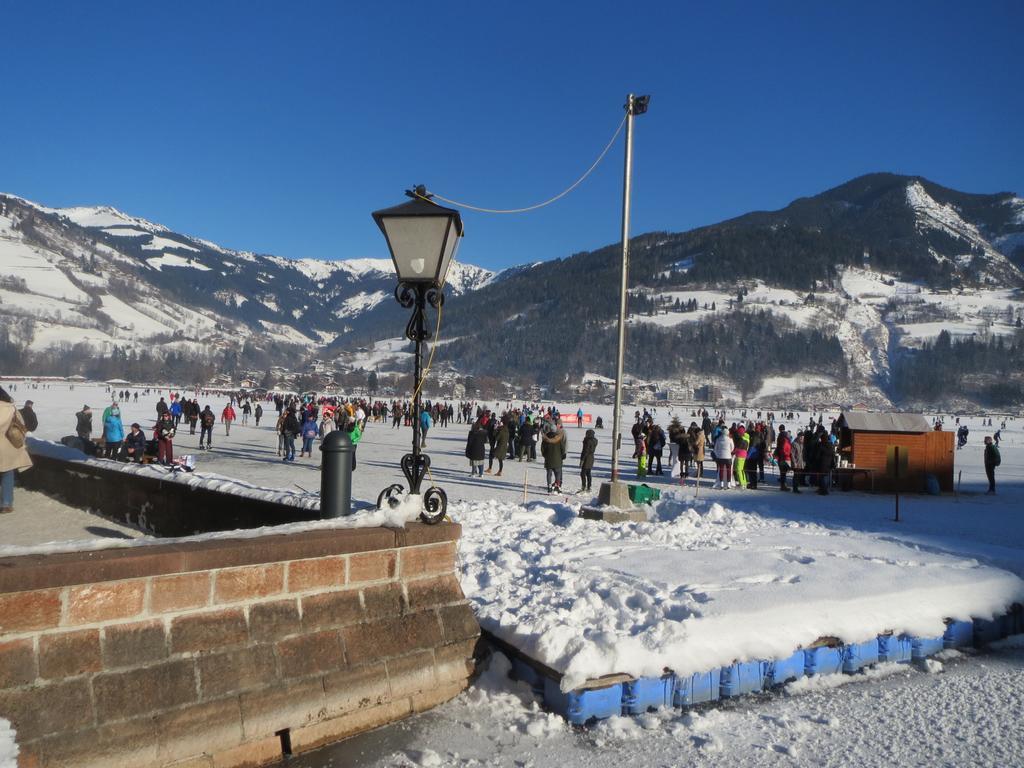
point(614, 506)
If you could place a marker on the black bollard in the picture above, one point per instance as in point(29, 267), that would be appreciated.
point(336, 476)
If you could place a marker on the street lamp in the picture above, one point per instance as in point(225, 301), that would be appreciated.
point(422, 237)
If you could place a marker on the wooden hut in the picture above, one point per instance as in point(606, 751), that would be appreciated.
point(869, 441)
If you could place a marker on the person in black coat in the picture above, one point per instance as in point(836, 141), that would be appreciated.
point(134, 447)
point(29, 417)
point(527, 441)
point(476, 448)
point(826, 456)
point(587, 459)
point(84, 426)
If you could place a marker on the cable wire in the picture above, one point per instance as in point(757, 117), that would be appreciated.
point(559, 196)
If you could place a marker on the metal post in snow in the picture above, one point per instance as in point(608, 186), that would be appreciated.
point(896, 473)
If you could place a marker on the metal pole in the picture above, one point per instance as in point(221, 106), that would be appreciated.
point(620, 358)
point(896, 473)
point(417, 373)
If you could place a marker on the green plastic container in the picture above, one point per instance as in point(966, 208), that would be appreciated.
point(643, 494)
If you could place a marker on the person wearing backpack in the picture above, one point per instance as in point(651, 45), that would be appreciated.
point(207, 420)
point(992, 460)
point(13, 454)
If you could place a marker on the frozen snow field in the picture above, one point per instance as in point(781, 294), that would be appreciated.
point(711, 577)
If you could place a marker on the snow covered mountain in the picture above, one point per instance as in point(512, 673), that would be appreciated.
point(100, 277)
point(826, 296)
point(830, 296)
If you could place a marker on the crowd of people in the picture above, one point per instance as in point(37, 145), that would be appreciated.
point(741, 449)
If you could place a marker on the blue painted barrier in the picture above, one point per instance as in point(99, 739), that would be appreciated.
point(923, 647)
point(578, 707)
point(856, 656)
point(647, 693)
point(988, 631)
point(780, 671)
point(823, 661)
point(898, 648)
point(742, 677)
point(697, 689)
point(958, 634)
point(643, 694)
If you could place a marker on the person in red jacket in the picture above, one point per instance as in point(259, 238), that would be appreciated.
point(227, 416)
point(783, 455)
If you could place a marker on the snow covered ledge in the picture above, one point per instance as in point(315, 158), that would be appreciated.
point(223, 651)
point(165, 503)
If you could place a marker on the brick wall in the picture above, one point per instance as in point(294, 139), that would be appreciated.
point(203, 652)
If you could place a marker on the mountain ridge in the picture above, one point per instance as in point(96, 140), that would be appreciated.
point(870, 259)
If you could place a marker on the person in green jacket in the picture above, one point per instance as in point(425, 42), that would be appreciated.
point(355, 433)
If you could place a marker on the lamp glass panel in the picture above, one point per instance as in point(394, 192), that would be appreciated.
point(416, 243)
point(450, 246)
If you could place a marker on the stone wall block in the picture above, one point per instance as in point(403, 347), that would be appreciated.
point(383, 600)
point(455, 662)
point(147, 689)
point(459, 623)
point(288, 705)
point(67, 654)
point(331, 609)
point(179, 592)
point(311, 654)
point(128, 743)
point(235, 671)
point(439, 590)
point(372, 566)
point(17, 663)
point(131, 645)
point(316, 573)
point(105, 601)
point(356, 688)
point(272, 621)
point(426, 560)
point(59, 707)
point(209, 727)
point(248, 582)
point(411, 674)
point(391, 637)
point(209, 630)
point(29, 611)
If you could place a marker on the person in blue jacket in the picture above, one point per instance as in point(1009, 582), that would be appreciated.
point(425, 424)
point(113, 432)
point(176, 411)
point(310, 432)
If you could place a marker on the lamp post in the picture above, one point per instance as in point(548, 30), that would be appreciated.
point(615, 493)
point(422, 237)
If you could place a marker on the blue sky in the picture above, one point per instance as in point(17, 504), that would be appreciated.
point(278, 127)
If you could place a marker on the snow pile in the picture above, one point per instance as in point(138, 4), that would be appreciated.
point(8, 745)
point(701, 586)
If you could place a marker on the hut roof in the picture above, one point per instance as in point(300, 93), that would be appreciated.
point(859, 421)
